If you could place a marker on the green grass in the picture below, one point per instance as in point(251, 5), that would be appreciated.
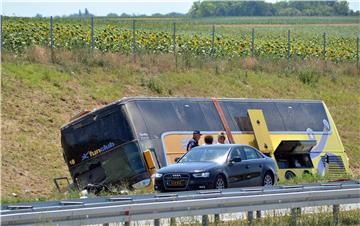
point(40, 93)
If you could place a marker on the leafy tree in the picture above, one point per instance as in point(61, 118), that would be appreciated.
point(209, 8)
point(112, 15)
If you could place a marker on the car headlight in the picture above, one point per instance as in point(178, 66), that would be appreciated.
point(203, 174)
point(158, 175)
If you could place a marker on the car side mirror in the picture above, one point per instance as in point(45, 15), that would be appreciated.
point(235, 159)
point(177, 159)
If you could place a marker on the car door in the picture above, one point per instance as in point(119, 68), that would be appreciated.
point(237, 171)
point(254, 165)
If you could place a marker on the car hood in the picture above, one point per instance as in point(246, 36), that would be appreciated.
point(188, 167)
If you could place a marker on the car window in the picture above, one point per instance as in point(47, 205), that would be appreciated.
point(207, 153)
point(251, 153)
point(237, 152)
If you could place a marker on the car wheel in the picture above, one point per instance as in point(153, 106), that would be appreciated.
point(219, 182)
point(268, 180)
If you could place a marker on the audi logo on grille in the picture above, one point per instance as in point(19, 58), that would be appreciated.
point(176, 175)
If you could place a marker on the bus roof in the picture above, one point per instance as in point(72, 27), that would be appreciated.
point(126, 100)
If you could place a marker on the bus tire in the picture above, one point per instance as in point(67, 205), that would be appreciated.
point(289, 175)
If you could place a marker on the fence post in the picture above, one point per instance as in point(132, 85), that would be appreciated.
point(213, 39)
point(134, 41)
point(205, 220)
point(51, 33)
point(174, 43)
point(324, 48)
point(289, 48)
point(1, 32)
point(250, 218)
point(92, 33)
point(336, 210)
point(252, 44)
point(357, 53)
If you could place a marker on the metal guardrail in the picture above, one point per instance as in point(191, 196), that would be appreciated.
point(157, 206)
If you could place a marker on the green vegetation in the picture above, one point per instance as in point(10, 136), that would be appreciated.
point(349, 217)
point(42, 89)
point(193, 37)
point(261, 8)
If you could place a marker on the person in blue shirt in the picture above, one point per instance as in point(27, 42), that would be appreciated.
point(194, 142)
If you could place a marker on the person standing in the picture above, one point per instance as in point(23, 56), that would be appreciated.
point(221, 138)
point(208, 140)
point(194, 142)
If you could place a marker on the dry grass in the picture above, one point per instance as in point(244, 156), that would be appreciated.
point(42, 90)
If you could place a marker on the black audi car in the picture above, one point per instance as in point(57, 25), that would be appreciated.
point(217, 167)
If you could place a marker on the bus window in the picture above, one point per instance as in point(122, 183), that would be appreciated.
point(94, 135)
point(273, 119)
point(190, 115)
point(301, 116)
point(237, 111)
point(212, 117)
point(159, 117)
point(236, 114)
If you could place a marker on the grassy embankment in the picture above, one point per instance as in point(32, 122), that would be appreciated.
point(40, 93)
point(277, 218)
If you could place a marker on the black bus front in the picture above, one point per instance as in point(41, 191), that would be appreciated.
point(100, 149)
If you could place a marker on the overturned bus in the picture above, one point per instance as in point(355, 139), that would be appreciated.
point(126, 140)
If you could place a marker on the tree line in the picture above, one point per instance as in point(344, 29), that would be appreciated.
point(261, 8)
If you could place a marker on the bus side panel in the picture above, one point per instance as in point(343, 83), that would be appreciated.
point(174, 144)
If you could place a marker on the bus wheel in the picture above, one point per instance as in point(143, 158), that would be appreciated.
point(289, 175)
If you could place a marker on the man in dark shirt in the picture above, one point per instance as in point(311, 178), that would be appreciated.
point(194, 142)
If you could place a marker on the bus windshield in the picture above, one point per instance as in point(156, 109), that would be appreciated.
point(94, 135)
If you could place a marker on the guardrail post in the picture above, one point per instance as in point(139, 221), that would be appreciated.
point(336, 210)
point(294, 213)
point(205, 220)
point(250, 218)
point(217, 219)
point(258, 214)
point(157, 222)
point(172, 221)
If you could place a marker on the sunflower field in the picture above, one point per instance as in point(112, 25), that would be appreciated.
point(21, 33)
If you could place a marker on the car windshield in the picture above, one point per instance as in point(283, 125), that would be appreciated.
point(206, 154)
